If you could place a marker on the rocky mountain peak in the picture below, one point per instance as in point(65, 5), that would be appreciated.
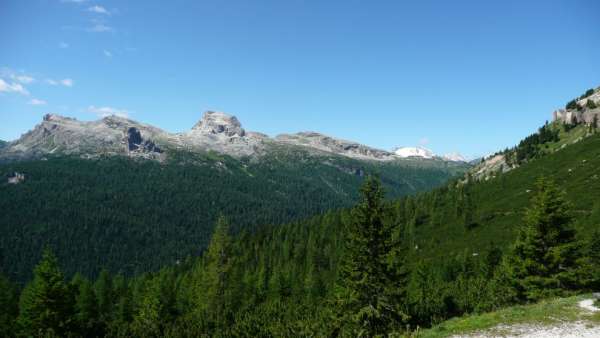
point(56, 118)
point(219, 123)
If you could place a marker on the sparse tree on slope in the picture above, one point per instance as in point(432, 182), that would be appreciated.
point(364, 303)
point(543, 258)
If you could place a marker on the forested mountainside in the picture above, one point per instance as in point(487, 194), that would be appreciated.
point(382, 267)
point(132, 215)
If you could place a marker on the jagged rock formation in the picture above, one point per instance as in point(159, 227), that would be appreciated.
point(135, 142)
point(216, 131)
point(583, 114)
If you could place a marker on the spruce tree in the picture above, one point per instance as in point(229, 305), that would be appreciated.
point(364, 303)
point(86, 307)
point(215, 281)
point(543, 260)
point(104, 292)
point(46, 304)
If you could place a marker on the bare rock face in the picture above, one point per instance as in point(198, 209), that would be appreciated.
point(219, 123)
point(491, 166)
point(583, 115)
point(337, 146)
point(135, 142)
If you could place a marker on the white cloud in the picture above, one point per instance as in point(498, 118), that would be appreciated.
point(6, 87)
point(36, 102)
point(99, 10)
point(63, 82)
point(24, 79)
point(63, 45)
point(107, 53)
point(100, 28)
point(108, 111)
point(67, 82)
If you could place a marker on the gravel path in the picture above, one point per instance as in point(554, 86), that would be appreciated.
point(578, 329)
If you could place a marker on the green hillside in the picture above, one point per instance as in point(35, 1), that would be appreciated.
point(450, 253)
point(137, 216)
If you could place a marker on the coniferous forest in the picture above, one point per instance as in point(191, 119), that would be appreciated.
point(384, 266)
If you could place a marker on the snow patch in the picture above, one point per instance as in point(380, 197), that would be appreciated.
point(405, 152)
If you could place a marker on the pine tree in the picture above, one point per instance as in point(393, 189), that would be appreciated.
point(364, 303)
point(215, 281)
point(46, 305)
point(147, 320)
point(104, 292)
point(589, 273)
point(543, 258)
point(590, 104)
point(86, 307)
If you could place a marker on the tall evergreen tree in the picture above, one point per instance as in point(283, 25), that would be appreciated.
point(543, 261)
point(86, 307)
point(214, 297)
point(104, 292)
point(46, 305)
point(364, 303)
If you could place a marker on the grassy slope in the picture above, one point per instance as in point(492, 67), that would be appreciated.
point(547, 312)
point(500, 202)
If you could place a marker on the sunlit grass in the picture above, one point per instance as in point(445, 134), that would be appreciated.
point(545, 313)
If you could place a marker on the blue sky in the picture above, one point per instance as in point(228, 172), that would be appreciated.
point(468, 76)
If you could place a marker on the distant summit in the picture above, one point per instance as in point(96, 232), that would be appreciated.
point(405, 152)
point(421, 152)
point(455, 157)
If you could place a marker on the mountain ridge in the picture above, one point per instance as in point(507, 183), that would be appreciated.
point(216, 131)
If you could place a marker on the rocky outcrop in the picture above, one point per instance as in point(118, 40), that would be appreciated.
point(135, 142)
point(337, 146)
point(490, 167)
point(584, 114)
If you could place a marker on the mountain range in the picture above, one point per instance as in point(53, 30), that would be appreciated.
point(216, 131)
